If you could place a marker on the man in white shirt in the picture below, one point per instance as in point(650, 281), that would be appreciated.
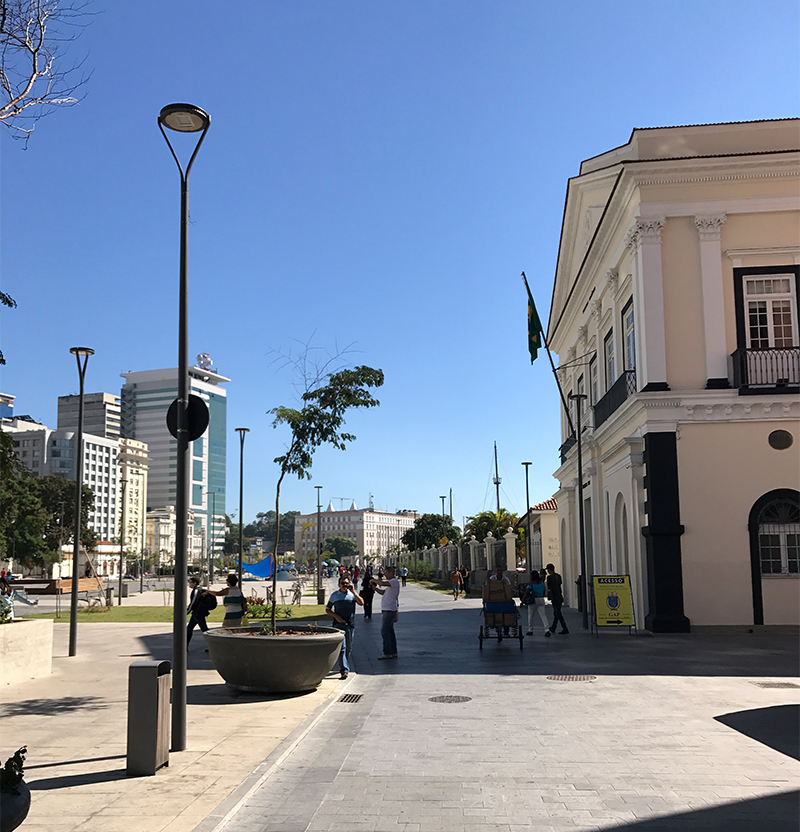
point(499, 576)
point(389, 611)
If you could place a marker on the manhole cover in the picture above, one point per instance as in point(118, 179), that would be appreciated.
point(450, 699)
point(775, 684)
point(349, 698)
point(427, 653)
point(572, 678)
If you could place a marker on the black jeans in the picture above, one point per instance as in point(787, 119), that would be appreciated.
point(198, 620)
point(367, 607)
point(558, 617)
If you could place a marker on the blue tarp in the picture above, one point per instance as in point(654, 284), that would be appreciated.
point(262, 569)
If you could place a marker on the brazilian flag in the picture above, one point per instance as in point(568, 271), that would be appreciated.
point(535, 332)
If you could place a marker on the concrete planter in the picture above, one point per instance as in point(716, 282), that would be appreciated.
point(274, 664)
point(14, 808)
point(26, 649)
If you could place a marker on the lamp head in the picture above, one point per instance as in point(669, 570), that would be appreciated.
point(242, 431)
point(184, 118)
point(81, 351)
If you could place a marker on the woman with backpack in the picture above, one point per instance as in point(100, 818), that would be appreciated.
point(233, 601)
point(533, 598)
point(197, 609)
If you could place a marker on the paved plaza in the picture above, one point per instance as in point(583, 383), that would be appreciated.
point(667, 733)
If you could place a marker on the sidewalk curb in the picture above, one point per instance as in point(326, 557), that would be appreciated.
point(219, 818)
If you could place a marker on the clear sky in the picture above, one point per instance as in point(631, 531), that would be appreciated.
point(377, 174)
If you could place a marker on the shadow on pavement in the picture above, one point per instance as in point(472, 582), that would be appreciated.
point(75, 762)
point(69, 780)
point(221, 694)
point(51, 707)
point(778, 727)
point(774, 813)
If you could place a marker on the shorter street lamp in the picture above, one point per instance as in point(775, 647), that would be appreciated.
point(320, 588)
point(528, 515)
point(123, 482)
point(79, 353)
point(242, 434)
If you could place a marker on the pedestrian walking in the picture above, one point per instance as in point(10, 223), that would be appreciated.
point(464, 579)
point(533, 598)
point(341, 607)
point(233, 601)
point(455, 580)
point(555, 593)
point(404, 575)
point(197, 610)
point(390, 611)
point(10, 595)
point(367, 593)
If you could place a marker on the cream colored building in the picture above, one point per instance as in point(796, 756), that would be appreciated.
point(160, 537)
point(675, 311)
point(543, 518)
point(376, 533)
point(133, 464)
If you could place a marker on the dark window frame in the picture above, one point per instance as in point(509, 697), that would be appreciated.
point(739, 275)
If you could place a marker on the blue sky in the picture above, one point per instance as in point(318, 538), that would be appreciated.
point(377, 174)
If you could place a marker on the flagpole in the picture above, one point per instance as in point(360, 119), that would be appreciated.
point(555, 373)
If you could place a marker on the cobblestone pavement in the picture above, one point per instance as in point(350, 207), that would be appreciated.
point(669, 733)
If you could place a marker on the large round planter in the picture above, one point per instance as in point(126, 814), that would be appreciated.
point(274, 664)
point(14, 808)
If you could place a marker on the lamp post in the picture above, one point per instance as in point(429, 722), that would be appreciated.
point(123, 482)
point(182, 118)
point(443, 498)
point(211, 536)
point(582, 588)
point(242, 433)
point(528, 515)
point(79, 353)
point(320, 589)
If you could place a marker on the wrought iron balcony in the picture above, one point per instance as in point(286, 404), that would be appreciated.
point(569, 443)
point(619, 391)
point(776, 369)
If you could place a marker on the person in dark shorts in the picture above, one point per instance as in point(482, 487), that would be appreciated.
point(556, 595)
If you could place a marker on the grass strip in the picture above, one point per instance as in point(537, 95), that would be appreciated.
point(163, 615)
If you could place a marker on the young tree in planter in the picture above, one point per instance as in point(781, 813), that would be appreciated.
point(319, 422)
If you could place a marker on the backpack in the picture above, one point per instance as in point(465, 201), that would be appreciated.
point(206, 603)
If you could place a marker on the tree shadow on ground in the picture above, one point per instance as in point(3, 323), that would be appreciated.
point(778, 727)
point(775, 812)
point(51, 707)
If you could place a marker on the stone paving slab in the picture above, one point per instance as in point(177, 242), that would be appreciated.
point(640, 747)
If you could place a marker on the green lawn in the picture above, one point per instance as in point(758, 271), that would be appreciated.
point(163, 615)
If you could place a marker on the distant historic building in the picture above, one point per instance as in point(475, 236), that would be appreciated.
point(675, 312)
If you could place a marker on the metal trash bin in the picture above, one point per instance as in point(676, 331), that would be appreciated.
point(109, 596)
point(124, 590)
point(149, 685)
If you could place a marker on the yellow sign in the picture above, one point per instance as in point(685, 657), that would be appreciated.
point(444, 541)
point(613, 605)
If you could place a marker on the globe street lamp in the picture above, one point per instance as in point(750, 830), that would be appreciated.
point(242, 433)
point(182, 118)
point(79, 353)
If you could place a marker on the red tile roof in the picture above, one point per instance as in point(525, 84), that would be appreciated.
point(547, 505)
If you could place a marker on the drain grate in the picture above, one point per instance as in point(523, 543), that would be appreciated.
point(450, 699)
point(421, 653)
point(775, 684)
point(350, 698)
point(572, 678)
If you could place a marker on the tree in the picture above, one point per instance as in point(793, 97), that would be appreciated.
point(34, 78)
point(490, 521)
point(58, 499)
point(341, 547)
point(8, 301)
point(429, 530)
point(265, 526)
point(319, 421)
point(22, 517)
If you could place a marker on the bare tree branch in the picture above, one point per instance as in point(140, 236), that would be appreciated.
point(34, 79)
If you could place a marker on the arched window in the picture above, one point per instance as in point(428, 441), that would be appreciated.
point(779, 537)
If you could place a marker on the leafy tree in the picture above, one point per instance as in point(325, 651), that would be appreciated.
point(326, 400)
point(429, 529)
point(6, 300)
point(341, 547)
point(495, 522)
point(22, 517)
point(265, 526)
point(58, 499)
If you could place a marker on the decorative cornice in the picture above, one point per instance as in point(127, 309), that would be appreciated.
point(644, 231)
point(709, 227)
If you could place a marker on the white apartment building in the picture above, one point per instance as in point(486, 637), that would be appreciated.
point(133, 467)
point(160, 537)
point(375, 532)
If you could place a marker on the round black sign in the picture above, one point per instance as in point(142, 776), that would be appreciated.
point(196, 416)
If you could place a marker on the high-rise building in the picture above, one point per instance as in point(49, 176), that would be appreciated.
point(146, 397)
point(101, 414)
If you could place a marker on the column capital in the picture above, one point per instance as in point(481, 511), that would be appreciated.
point(644, 231)
point(612, 280)
point(597, 309)
point(709, 226)
point(582, 333)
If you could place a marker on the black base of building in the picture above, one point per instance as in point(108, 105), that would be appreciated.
point(718, 384)
point(656, 387)
point(667, 624)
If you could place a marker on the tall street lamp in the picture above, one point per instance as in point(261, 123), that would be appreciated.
point(211, 536)
point(182, 118)
point(242, 433)
point(320, 588)
point(79, 353)
point(123, 482)
point(583, 586)
point(443, 498)
point(528, 515)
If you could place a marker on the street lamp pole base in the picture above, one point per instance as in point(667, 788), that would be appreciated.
point(320, 596)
